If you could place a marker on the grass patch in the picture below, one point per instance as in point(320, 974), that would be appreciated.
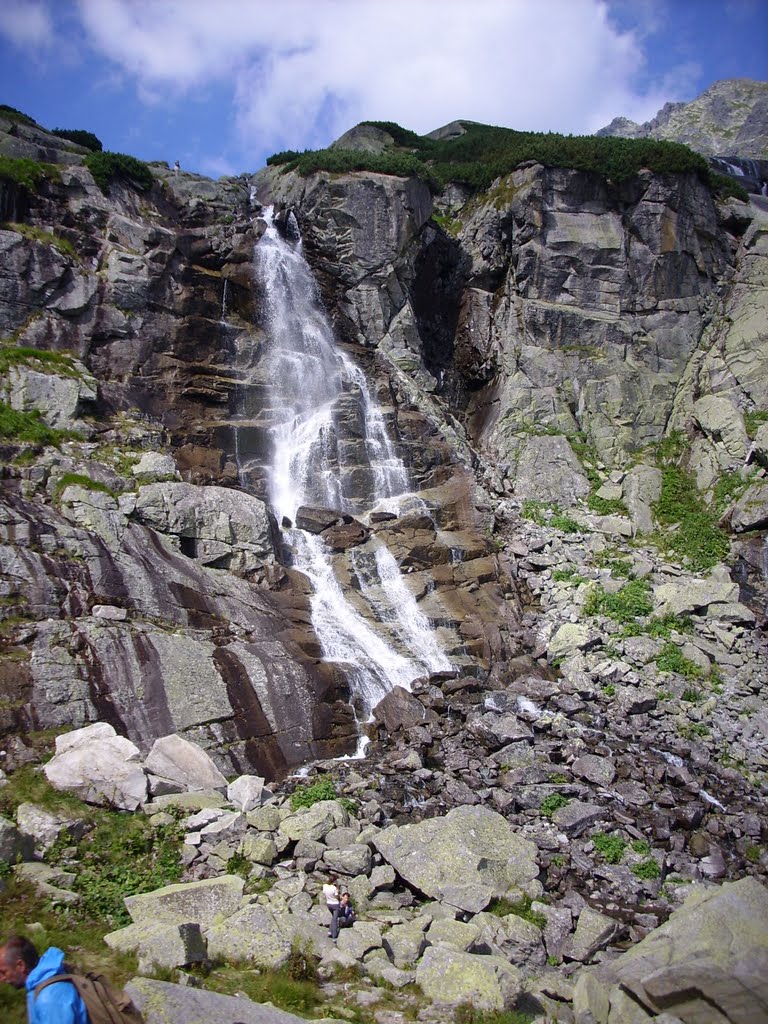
point(25, 172)
point(606, 506)
point(29, 426)
point(503, 907)
point(569, 575)
point(564, 523)
point(79, 480)
point(753, 420)
point(671, 659)
point(631, 602)
point(450, 225)
point(696, 537)
point(641, 847)
point(60, 363)
point(610, 848)
point(553, 803)
point(40, 235)
point(468, 1014)
point(278, 987)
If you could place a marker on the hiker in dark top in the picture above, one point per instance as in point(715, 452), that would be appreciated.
point(20, 966)
point(347, 915)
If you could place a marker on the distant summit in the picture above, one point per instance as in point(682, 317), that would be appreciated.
point(730, 119)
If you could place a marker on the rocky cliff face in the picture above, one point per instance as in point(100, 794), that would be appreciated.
point(526, 344)
point(728, 119)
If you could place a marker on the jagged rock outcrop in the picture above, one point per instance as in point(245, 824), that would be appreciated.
point(728, 118)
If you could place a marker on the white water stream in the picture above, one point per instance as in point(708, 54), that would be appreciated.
point(332, 449)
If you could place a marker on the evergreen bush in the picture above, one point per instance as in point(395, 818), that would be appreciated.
point(82, 138)
point(106, 166)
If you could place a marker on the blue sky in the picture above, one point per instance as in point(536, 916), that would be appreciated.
point(221, 84)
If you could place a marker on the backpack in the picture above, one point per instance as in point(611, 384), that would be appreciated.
point(103, 1003)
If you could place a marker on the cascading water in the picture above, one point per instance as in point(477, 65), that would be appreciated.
point(331, 449)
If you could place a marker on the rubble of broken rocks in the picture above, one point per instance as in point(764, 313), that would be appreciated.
point(579, 834)
point(508, 843)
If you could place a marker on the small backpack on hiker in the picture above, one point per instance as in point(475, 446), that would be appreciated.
point(104, 1003)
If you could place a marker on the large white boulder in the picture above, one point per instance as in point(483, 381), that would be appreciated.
point(188, 766)
point(100, 767)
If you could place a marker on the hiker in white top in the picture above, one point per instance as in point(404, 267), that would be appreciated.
point(331, 894)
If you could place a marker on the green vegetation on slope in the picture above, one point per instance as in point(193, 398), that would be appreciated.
point(484, 153)
point(27, 173)
point(107, 166)
point(82, 138)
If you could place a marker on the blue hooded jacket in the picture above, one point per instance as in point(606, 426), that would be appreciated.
point(56, 1004)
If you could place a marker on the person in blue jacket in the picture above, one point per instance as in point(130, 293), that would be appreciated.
point(21, 967)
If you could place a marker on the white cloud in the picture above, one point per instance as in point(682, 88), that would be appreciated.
point(26, 23)
point(303, 71)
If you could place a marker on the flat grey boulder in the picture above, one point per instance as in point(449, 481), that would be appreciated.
point(450, 978)
point(12, 843)
point(98, 766)
point(315, 822)
point(184, 763)
point(547, 470)
point(197, 902)
point(751, 510)
point(464, 858)
point(691, 595)
point(218, 526)
point(159, 944)
point(708, 962)
point(44, 827)
point(245, 792)
point(251, 934)
point(399, 709)
point(163, 1003)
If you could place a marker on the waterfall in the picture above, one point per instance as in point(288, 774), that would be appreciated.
point(331, 448)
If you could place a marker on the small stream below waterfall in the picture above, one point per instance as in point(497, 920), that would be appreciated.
point(331, 448)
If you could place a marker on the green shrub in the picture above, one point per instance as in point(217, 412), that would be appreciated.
point(12, 114)
point(753, 420)
point(610, 848)
point(609, 689)
point(25, 172)
point(533, 511)
point(631, 602)
point(306, 796)
point(724, 187)
point(662, 626)
point(553, 803)
point(107, 166)
point(564, 523)
point(646, 869)
point(502, 907)
point(484, 153)
point(671, 659)
point(82, 138)
point(641, 847)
